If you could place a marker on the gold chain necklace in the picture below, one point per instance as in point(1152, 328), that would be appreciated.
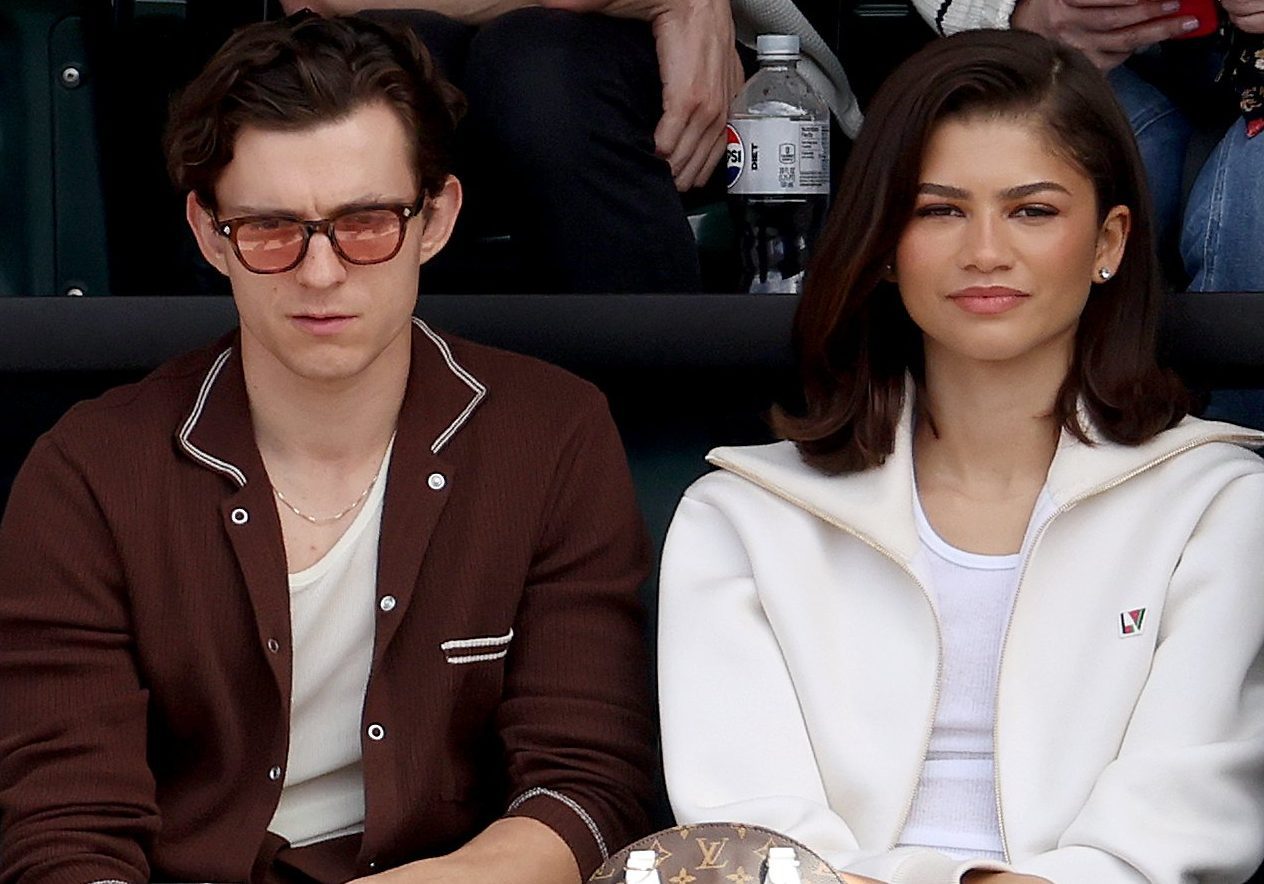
point(324, 520)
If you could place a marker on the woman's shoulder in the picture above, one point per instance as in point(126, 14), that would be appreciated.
point(1193, 452)
point(754, 472)
point(1197, 447)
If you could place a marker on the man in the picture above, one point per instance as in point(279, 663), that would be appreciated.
point(582, 130)
point(339, 594)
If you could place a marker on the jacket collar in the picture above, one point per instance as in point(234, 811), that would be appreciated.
point(439, 399)
point(876, 505)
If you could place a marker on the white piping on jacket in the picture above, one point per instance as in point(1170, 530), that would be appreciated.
point(196, 453)
point(460, 644)
point(457, 369)
point(488, 642)
point(573, 805)
point(477, 658)
point(234, 473)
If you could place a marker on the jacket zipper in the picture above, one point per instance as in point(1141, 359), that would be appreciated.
point(1040, 533)
point(939, 638)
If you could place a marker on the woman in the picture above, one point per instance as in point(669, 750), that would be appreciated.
point(994, 610)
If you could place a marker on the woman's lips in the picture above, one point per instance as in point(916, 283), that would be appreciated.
point(987, 301)
point(322, 325)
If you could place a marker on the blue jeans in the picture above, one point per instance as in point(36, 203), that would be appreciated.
point(1224, 215)
point(1220, 234)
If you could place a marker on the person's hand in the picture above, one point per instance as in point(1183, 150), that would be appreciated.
point(1246, 15)
point(983, 877)
point(700, 70)
point(439, 870)
point(1107, 31)
point(510, 849)
point(701, 73)
point(849, 878)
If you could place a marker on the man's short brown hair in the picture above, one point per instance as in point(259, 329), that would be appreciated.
point(303, 71)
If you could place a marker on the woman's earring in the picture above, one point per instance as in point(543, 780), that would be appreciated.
point(1104, 274)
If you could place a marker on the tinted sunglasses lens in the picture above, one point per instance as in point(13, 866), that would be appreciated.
point(269, 245)
point(369, 236)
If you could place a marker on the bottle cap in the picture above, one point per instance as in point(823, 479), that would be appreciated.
point(777, 46)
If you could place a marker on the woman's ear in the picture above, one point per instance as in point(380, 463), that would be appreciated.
point(1112, 239)
point(211, 244)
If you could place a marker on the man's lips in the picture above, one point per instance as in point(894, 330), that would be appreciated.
point(322, 324)
point(987, 300)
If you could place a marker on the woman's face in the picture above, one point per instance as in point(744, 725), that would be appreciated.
point(1004, 245)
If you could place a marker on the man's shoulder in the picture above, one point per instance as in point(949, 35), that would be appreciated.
point(151, 408)
point(514, 380)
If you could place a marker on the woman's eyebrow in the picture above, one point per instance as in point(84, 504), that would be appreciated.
point(931, 189)
point(1019, 191)
point(1035, 187)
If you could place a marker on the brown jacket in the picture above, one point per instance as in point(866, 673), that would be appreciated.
point(144, 627)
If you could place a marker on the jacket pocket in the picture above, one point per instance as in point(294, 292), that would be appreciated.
point(476, 678)
point(481, 649)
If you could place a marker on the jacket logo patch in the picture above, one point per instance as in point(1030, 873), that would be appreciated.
point(1130, 622)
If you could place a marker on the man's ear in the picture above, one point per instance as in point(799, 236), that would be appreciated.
point(438, 216)
point(213, 246)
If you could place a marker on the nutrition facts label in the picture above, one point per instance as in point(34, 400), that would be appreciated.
point(775, 155)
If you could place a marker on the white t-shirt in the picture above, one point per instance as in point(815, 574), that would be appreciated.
point(955, 810)
point(332, 613)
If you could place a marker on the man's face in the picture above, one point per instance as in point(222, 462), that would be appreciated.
point(326, 320)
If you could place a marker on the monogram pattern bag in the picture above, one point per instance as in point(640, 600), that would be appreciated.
point(715, 853)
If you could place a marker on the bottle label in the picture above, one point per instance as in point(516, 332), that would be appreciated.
point(777, 156)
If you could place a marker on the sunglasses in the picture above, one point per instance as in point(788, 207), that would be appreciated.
point(359, 235)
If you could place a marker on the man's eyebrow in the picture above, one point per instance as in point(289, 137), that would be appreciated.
point(929, 188)
point(361, 203)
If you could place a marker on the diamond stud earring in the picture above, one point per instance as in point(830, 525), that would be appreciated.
point(1104, 274)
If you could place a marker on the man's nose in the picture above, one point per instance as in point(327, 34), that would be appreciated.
point(321, 267)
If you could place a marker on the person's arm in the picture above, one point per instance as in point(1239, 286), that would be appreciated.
point(519, 850)
point(697, 61)
point(1185, 791)
point(735, 744)
point(1108, 31)
point(77, 797)
point(575, 718)
point(474, 12)
point(701, 74)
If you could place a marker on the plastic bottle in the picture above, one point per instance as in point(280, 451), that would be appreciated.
point(777, 167)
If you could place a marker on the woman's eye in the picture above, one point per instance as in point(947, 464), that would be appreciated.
point(937, 210)
point(1035, 211)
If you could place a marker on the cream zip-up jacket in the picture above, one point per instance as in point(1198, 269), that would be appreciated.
point(799, 662)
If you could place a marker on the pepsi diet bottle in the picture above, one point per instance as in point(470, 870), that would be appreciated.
point(777, 167)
